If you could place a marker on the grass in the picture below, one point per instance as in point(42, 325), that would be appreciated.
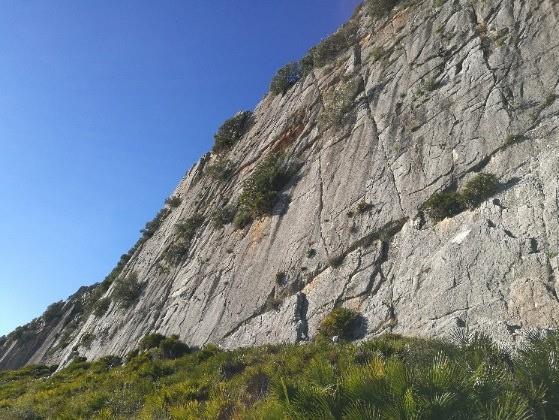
point(387, 378)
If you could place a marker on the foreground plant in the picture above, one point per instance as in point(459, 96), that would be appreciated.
point(390, 377)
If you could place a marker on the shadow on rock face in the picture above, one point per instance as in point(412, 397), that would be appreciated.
point(360, 327)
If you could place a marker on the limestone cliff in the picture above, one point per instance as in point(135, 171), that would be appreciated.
point(419, 101)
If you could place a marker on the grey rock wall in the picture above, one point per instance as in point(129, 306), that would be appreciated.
point(443, 92)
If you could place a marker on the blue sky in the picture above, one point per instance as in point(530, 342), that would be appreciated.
point(104, 105)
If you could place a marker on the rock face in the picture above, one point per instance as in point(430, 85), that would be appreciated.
point(424, 98)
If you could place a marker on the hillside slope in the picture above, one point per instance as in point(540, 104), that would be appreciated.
point(397, 106)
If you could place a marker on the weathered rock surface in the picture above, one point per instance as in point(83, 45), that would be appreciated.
point(444, 92)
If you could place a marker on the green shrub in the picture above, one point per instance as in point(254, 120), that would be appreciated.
point(339, 103)
point(311, 252)
point(443, 205)
point(377, 53)
point(479, 189)
point(341, 322)
point(109, 362)
point(231, 367)
point(151, 341)
point(101, 306)
point(54, 311)
point(286, 77)
point(127, 290)
point(281, 278)
point(243, 218)
point(330, 48)
point(364, 207)
point(172, 348)
point(232, 130)
point(86, 340)
point(175, 253)
point(152, 226)
point(173, 201)
point(380, 8)
point(223, 216)
point(449, 204)
point(261, 189)
point(220, 170)
point(187, 229)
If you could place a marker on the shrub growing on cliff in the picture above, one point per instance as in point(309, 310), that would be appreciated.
point(341, 322)
point(220, 170)
point(127, 290)
point(151, 227)
point(101, 306)
point(261, 189)
point(187, 229)
point(479, 189)
point(286, 77)
point(330, 48)
point(379, 8)
point(232, 130)
point(173, 201)
point(223, 216)
point(443, 205)
point(339, 103)
point(54, 311)
point(449, 204)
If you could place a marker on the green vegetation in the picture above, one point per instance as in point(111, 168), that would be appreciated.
point(387, 378)
point(188, 228)
point(151, 341)
point(163, 347)
point(377, 53)
point(286, 77)
point(223, 216)
point(479, 189)
point(281, 278)
point(341, 322)
point(87, 340)
point(330, 48)
point(443, 205)
point(54, 311)
point(261, 189)
point(319, 56)
point(364, 207)
point(232, 130)
point(339, 103)
point(220, 170)
point(152, 226)
point(380, 8)
point(172, 348)
point(127, 290)
point(173, 201)
point(449, 204)
point(311, 252)
point(186, 231)
point(101, 306)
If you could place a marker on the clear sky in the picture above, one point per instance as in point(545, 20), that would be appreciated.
point(104, 105)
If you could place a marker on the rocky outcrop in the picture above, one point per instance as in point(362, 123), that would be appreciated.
point(423, 99)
